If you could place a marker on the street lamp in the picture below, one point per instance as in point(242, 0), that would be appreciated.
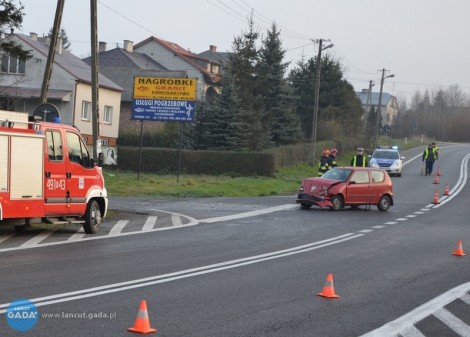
point(379, 109)
point(317, 97)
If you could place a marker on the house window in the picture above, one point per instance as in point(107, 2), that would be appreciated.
point(86, 111)
point(12, 65)
point(108, 114)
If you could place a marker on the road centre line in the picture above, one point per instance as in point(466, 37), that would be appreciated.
point(153, 280)
point(459, 185)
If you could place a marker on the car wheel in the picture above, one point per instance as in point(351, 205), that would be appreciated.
point(384, 203)
point(305, 206)
point(92, 217)
point(337, 202)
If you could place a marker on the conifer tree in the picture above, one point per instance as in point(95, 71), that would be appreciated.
point(11, 17)
point(279, 123)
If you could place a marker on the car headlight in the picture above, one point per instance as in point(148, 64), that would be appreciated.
point(395, 165)
point(373, 163)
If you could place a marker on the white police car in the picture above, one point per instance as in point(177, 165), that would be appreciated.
point(387, 158)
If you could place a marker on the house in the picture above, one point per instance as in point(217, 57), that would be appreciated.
point(388, 109)
point(214, 56)
point(121, 65)
point(70, 89)
point(207, 71)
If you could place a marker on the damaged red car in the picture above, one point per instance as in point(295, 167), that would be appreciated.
point(348, 186)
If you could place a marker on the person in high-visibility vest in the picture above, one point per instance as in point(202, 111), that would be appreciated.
point(332, 159)
point(323, 164)
point(430, 155)
point(359, 159)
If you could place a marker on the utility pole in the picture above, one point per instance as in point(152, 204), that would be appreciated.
point(317, 98)
point(369, 94)
point(379, 109)
point(52, 47)
point(95, 116)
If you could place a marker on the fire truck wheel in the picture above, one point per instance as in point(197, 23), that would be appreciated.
point(92, 217)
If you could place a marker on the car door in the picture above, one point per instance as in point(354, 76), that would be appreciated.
point(55, 176)
point(81, 175)
point(359, 188)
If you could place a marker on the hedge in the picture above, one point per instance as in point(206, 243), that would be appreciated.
point(164, 161)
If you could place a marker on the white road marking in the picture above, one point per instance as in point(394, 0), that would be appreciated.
point(251, 213)
point(453, 322)
point(411, 331)
point(38, 238)
point(157, 279)
point(379, 227)
point(118, 227)
point(395, 327)
point(411, 216)
point(6, 237)
point(391, 223)
point(78, 235)
point(150, 223)
point(366, 231)
point(176, 220)
point(401, 219)
point(418, 213)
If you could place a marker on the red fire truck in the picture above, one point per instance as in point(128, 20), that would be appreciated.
point(47, 173)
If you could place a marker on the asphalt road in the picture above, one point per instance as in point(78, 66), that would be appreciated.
point(253, 266)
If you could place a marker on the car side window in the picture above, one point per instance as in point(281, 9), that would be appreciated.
point(77, 149)
point(377, 176)
point(360, 177)
point(54, 145)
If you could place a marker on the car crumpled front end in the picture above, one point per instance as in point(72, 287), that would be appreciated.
point(315, 191)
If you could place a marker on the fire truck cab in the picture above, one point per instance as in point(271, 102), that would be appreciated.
point(46, 172)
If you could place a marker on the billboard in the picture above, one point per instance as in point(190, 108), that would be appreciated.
point(164, 99)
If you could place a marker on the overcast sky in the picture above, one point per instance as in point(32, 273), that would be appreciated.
point(424, 43)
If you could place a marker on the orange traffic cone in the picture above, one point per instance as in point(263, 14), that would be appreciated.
point(438, 171)
point(459, 250)
point(328, 289)
point(142, 322)
point(435, 201)
point(436, 179)
point(446, 191)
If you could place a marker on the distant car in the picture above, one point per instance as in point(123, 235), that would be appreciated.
point(387, 158)
point(347, 186)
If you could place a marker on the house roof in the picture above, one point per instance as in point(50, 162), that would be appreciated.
point(219, 57)
point(120, 58)
point(23, 92)
point(70, 63)
point(194, 60)
point(374, 97)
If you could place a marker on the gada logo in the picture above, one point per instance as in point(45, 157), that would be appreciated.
point(22, 315)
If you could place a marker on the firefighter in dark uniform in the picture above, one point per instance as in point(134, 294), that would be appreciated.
point(332, 159)
point(323, 164)
point(359, 159)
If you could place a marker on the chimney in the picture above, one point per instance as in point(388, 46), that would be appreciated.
point(128, 46)
point(102, 47)
point(59, 45)
point(213, 49)
point(33, 36)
